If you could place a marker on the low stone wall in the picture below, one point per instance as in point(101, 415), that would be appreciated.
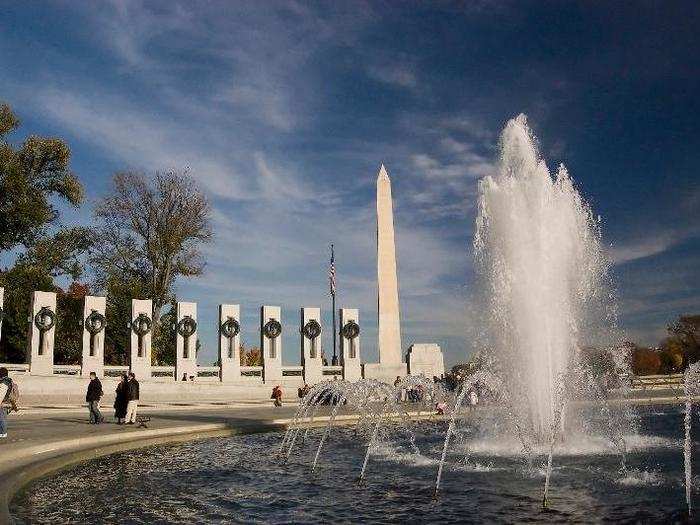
point(36, 390)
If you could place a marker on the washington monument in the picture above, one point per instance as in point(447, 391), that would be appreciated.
point(387, 281)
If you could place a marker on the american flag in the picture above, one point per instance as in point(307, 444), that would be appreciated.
point(331, 272)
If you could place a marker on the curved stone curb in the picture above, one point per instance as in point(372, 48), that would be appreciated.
point(36, 461)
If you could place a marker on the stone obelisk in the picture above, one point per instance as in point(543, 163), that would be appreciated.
point(422, 359)
point(387, 281)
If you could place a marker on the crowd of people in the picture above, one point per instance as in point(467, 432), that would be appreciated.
point(125, 402)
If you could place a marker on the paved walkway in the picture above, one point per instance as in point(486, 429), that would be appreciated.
point(33, 426)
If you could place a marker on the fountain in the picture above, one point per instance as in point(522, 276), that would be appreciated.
point(691, 387)
point(546, 294)
point(537, 248)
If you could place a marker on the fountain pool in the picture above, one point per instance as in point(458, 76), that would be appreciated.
point(240, 480)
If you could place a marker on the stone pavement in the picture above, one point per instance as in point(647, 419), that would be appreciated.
point(36, 425)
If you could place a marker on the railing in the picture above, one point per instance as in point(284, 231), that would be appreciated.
point(256, 372)
point(116, 370)
point(291, 371)
point(209, 372)
point(658, 382)
point(333, 370)
point(251, 371)
point(66, 370)
point(163, 371)
point(21, 368)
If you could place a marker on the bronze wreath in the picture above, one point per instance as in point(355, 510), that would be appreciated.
point(95, 322)
point(45, 319)
point(141, 325)
point(187, 326)
point(272, 329)
point(311, 329)
point(351, 330)
point(230, 328)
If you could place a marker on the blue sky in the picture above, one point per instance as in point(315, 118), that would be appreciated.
point(283, 112)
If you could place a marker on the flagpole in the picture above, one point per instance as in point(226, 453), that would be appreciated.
point(334, 361)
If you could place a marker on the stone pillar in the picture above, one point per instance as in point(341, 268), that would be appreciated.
point(230, 342)
point(310, 331)
point(271, 347)
point(2, 308)
point(350, 344)
point(42, 328)
point(186, 340)
point(141, 323)
point(94, 323)
point(425, 359)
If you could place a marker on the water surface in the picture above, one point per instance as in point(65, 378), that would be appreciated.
point(239, 480)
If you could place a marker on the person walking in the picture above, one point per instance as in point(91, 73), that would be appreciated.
point(5, 400)
point(93, 396)
point(121, 400)
point(133, 397)
point(277, 396)
point(399, 390)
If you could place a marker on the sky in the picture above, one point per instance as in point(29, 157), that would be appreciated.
point(283, 112)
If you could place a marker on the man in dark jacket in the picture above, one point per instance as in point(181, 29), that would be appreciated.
point(133, 397)
point(94, 393)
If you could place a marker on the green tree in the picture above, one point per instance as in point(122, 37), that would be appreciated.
point(30, 176)
point(164, 341)
point(119, 290)
point(34, 176)
point(69, 331)
point(149, 234)
point(19, 282)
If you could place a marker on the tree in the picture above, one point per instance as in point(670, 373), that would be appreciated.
point(645, 361)
point(119, 292)
point(164, 342)
point(149, 234)
point(599, 361)
point(685, 332)
point(30, 176)
point(251, 357)
point(69, 332)
point(673, 357)
point(19, 283)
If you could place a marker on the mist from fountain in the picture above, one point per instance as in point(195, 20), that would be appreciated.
point(539, 257)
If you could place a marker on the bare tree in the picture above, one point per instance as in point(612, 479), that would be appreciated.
point(149, 234)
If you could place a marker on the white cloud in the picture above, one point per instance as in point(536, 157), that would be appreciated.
point(640, 249)
point(651, 243)
point(142, 140)
point(396, 74)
